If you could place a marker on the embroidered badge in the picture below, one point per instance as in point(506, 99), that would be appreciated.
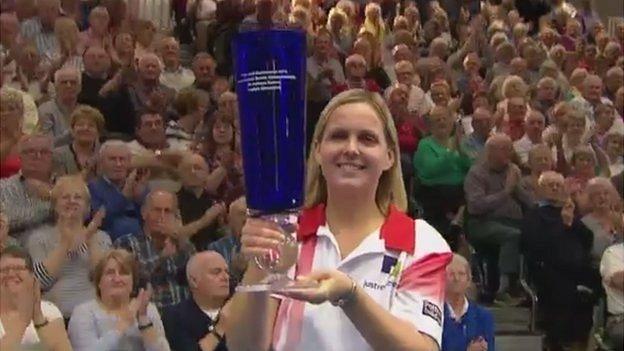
point(432, 310)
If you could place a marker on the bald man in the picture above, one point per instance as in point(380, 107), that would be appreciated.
point(494, 202)
point(199, 322)
point(482, 124)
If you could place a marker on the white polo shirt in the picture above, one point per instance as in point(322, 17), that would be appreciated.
point(415, 293)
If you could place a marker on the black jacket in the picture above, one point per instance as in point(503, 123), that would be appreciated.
point(185, 324)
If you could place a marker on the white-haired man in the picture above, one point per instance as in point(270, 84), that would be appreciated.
point(149, 94)
point(118, 190)
point(199, 322)
point(54, 115)
point(174, 75)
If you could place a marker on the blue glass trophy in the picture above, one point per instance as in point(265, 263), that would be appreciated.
point(270, 71)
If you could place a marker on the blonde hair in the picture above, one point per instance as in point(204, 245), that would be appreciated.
point(390, 189)
point(86, 112)
point(66, 30)
point(68, 181)
point(11, 97)
point(514, 86)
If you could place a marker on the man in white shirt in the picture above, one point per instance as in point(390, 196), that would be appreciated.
point(174, 75)
point(417, 100)
point(534, 125)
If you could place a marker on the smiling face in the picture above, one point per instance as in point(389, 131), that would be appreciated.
point(13, 271)
point(353, 151)
point(85, 131)
point(71, 201)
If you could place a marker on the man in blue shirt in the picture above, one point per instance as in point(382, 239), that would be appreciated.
point(467, 326)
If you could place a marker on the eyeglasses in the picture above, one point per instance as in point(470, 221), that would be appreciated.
point(17, 269)
point(37, 152)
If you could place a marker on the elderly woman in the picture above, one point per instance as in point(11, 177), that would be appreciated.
point(540, 161)
point(97, 34)
point(87, 124)
point(342, 32)
point(65, 252)
point(11, 122)
point(602, 199)
point(116, 319)
point(467, 326)
point(614, 148)
point(440, 167)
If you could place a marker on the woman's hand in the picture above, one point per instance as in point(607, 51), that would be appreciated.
point(261, 238)
point(143, 299)
point(332, 285)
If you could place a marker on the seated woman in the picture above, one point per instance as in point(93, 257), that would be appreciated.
point(467, 326)
point(582, 169)
point(601, 201)
point(65, 252)
point(26, 322)
point(219, 149)
point(87, 124)
point(441, 168)
point(116, 319)
point(540, 161)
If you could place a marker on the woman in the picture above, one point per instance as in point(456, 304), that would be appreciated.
point(219, 149)
point(614, 148)
point(26, 322)
point(97, 34)
point(540, 161)
point(117, 319)
point(467, 326)
point(65, 252)
point(354, 187)
point(342, 33)
point(441, 167)
point(87, 124)
point(67, 32)
point(601, 196)
point(11, 122)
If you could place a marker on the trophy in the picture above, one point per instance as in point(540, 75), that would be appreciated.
point(270, 71)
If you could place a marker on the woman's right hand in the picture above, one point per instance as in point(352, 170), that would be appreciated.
point(259, 237)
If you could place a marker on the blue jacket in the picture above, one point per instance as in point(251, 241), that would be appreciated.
point(123, 216)
point(477, 322)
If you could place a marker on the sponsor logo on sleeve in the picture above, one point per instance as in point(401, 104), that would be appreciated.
point(432, 310)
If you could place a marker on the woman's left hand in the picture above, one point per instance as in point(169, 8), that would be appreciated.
point(332, 285)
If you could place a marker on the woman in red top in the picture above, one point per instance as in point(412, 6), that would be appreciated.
point(11, 121)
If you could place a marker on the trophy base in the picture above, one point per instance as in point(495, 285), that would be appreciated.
point(278, 284)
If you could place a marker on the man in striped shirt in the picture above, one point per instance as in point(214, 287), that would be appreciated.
point(40, 29)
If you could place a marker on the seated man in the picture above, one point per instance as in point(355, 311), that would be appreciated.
point(25, 197)
point(612, 271)
point(199, 323)
point(118, 190)
point(494, 203)
point(148, 93)
point(557, 247)
point(467, 326)
point(161, 256)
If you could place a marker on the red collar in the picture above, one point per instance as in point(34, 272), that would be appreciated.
point(397, 230)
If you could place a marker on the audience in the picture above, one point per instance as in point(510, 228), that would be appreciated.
point(612, 271)
point(138, 97)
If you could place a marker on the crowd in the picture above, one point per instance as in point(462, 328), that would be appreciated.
point(121, 180)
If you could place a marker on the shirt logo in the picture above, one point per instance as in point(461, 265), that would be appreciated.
point(432, 310)
point(388, 263)
point(374, 285)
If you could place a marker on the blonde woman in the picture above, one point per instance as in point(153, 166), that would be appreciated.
point(341, 30)
point(353, 232)
point(65, 252)
point(67, 34)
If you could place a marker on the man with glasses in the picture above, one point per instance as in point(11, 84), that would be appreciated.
point(24, 197)
point(54, 115)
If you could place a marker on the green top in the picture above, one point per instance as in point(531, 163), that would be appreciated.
point(434, 164)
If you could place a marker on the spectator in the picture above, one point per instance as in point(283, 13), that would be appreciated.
point(87, 124)
point(601, 197)
point(180, 133)
point(515, 118)
point(26, 321)
point(40, 29)
point(614, 148)
point(115, 319)
point(410, 126)
point(70, 54)
point(323, 70)
point(473, 145)
point(119, 190)
point(557, 249)
point(494, 202)
point(591, 97)
point(574, 136)
point(174, 76)
point(440, 168)
point(534, 125)
point(148, 93)
point(150, 134)
point(340, 28)
point(417, 100)
point(198, 210)
point(612, 271)
point(65, 252)
point(160, 255)
point(606, 122)
point(54, 114)
point(25, 197)
point(540, 160)
point(355, 66)
point(12, 117)
point(204, 70)
point(97, 35)
point(97, 65)
point(5, 239)
point(613, 81)
point(467, 326)
point(546, 96)
point(199, 323)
